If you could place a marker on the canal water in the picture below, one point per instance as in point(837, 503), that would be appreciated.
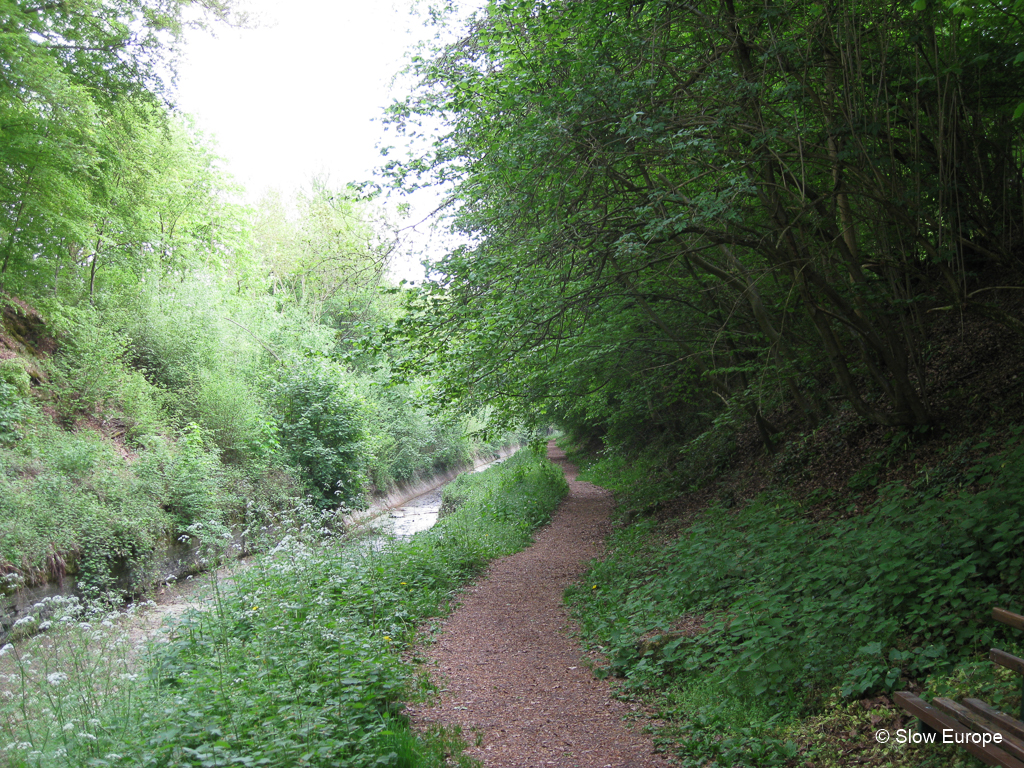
point(180, 559)
point(413, 516)
point(418, 514)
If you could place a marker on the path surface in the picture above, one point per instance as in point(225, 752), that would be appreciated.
point(508, 669)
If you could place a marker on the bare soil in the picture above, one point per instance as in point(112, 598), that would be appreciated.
point(510, 673)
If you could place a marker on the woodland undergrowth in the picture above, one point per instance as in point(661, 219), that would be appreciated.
point(771, 631)
point(159, 411)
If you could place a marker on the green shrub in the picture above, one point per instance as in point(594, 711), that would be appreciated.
point(205, 364)
point(320, 428)
point(232, 413)
point(402, 441)
point(69, 504)
point(639, 481)
point(12, 411)
point(12, 372)
point(91, 374)
point(194, 479)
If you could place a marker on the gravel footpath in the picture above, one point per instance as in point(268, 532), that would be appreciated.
point(508, 670)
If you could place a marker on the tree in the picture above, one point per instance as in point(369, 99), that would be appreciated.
point(71, 73)
point(332, 246)
point(321, 429)
point(741, 185)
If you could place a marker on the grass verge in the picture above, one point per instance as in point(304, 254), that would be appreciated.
point(296, 662)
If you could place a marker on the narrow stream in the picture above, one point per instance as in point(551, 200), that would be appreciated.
point(412, 516)
point(418, 514)
point(415, 515)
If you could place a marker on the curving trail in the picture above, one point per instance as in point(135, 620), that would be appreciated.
point(508, 669)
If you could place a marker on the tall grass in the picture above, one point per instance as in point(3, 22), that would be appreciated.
point(297, 660)
point(497, 509)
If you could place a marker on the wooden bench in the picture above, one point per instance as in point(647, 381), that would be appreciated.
point(974, 725)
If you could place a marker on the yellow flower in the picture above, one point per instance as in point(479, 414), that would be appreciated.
point(403, 583)
point(387, 638)
point(594, 587)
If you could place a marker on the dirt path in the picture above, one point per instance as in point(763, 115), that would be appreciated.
point(508, 669)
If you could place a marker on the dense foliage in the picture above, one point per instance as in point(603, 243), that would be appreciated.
point(671, 209)
point(298, 661)
point(674, 218)
point(320, 430)
point(92, 171)
point(170, 356)
point(182, 403)
point(751, 626)
point(522, 495)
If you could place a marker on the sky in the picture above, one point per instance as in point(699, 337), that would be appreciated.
point(302, 93)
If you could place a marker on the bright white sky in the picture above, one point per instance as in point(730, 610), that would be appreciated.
point(301, 94)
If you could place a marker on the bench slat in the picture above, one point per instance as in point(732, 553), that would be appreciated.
point(990, 755)
point(1008, 617)
point(1004, 721)
point(978, 722)
point(1008, 660)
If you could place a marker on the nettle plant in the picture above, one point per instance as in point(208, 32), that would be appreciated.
point(793, 608)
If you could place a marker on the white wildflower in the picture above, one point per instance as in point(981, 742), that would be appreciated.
point(56, 678)
point(69, 726)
